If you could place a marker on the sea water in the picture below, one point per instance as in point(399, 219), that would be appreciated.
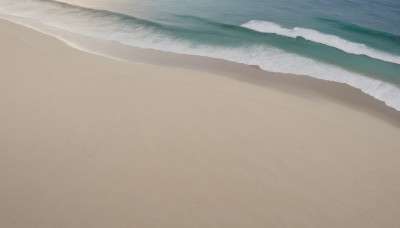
point(356, 42)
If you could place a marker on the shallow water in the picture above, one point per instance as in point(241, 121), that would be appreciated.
point(355, 42)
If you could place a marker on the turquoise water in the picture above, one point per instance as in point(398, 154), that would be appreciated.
point(356, 42)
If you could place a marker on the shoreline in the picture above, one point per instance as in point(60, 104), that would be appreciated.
point(89, 141)
point(338, 92)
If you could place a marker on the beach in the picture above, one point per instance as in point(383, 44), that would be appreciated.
point(91, 141)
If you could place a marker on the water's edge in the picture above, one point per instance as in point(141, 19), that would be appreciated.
point(263, 43)
point(298, 85)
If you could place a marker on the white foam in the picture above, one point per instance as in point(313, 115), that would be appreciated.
point(318, 37)
point(110, 27)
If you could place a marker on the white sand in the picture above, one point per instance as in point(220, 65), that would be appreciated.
point(87, 141)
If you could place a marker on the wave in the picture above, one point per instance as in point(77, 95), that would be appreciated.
point(355, 28)
point(318, 37)
point(142, 33)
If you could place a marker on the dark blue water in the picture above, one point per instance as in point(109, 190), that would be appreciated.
point(351, 41)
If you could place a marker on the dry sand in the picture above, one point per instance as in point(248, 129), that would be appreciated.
point(87, 141)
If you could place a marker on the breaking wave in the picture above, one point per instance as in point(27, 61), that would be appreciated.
point(318, 37)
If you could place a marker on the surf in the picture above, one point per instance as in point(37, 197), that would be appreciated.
point(143, 33)
point(321, 38)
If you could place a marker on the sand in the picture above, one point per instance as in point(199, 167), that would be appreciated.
point(88, 141)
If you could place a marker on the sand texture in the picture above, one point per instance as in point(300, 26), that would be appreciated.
point(87, 141)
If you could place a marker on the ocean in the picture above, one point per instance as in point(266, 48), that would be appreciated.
point(356, 42)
